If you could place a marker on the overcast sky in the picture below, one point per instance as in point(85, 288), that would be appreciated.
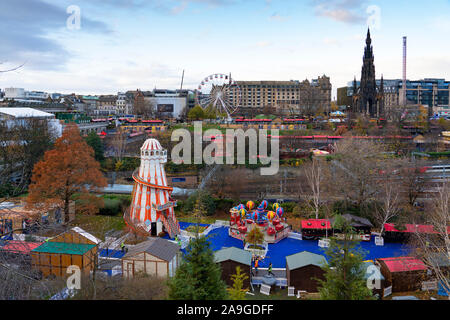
point(128, 44)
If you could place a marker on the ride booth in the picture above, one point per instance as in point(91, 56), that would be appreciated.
point(314, 229)
point(271, 223)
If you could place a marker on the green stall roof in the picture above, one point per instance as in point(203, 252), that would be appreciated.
point(64, 248)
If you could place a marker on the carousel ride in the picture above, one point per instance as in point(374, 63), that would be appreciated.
point(271, 222)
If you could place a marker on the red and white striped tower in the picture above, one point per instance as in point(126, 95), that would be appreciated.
point(152, 207)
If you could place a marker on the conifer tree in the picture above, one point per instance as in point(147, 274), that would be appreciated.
point(198, 277)
point(344, 273)
point(94, 141)
point(237, 292)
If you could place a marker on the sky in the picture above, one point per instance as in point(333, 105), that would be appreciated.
point(120, 45)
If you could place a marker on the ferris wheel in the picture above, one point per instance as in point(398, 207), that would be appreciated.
point(220, 92)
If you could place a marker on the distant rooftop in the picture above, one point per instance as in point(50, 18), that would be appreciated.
point(25, 113)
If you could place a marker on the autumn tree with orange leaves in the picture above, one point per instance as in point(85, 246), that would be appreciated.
point(66, 172)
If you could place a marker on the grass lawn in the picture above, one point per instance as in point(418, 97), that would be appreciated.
point(205, 220)
point(99, 225)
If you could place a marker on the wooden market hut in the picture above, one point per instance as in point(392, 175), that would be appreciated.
point(73, 247)
point(231, 258)
point(302, 270)
point(393, 233)
point(155, 256)
point(403, 273)
point(359, 224)
point(316, 228)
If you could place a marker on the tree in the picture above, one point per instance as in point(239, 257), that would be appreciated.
point(356, 170)
point(388, 196)
point(314, 177)
point(199, 213)
point(344, 273)
point(23, 145)
point(207, 206)
point(210, 112)
point(67, 171)
point(434, 250)
point(255, 236)
point(196, 113)
point(414, 180)
point(143, 106)
point(198, 277)
point(119, 143)
point(237, 292)
point(94, 141)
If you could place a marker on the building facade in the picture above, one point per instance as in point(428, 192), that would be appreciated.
point(124, 103)
point(107, 105)
point(428, 92)
point(284, 97)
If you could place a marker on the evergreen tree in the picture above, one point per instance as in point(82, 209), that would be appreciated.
point(237, 292)
point(198, 277)
point(96, 143)
point(344, 273)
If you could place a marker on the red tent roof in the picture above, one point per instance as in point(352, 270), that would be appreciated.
point(316, 224)
point(403, 264)
point(23, 247)
point(413, 228)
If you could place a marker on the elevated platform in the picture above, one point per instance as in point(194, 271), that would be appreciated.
point(275, 238)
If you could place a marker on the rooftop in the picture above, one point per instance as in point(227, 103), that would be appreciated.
point(15, 246)
point(234, 254)
point(25, 113)
point(316, 224)
point(157, 247)
point(303, 259)
point(413, 228)
point(64, 248)
point(404, 264)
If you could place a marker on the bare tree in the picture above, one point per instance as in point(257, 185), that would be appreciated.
point(414, 180)
point(355, 170)
point(145, 107)
point(314, 177)
point(434, 249)
point(388, 195)
point(119, 143)
point(23, 145)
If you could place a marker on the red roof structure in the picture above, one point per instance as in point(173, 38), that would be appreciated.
point(413, 228)
point(23, 247)
point(316, 224)
point(404, 264)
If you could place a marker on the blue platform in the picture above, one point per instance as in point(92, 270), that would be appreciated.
point(108, 253)
point(277, 253)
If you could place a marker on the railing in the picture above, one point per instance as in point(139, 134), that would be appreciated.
point(279, 235)
point(295, 235)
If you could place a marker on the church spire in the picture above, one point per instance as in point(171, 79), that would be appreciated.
point(368, 39)
point(368, 53)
